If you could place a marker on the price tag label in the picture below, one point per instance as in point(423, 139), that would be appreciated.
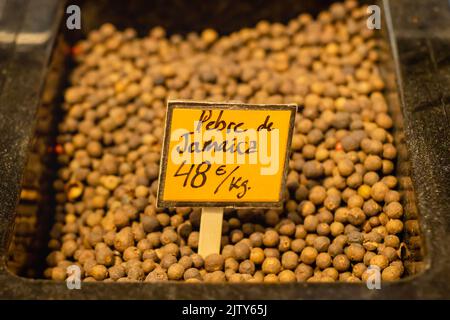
point(218, 155)
point(225, 154)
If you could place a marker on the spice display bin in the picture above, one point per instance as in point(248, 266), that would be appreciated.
point(415, 68)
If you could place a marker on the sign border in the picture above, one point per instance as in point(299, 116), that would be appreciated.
point(191, 104)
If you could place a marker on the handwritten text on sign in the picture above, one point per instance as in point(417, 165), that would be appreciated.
point(225, 154)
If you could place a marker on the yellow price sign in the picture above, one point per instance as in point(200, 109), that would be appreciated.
point(225, 154)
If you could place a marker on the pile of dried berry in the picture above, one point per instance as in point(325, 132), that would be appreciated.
point(342, 212)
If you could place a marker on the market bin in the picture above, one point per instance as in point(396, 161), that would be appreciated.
point(39, 64)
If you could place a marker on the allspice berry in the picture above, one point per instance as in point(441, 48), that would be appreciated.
point(289, 260)
point(391, 273)
point(378, 191)
point(242, 251)
point(192, 273)
point(313, 169)
point(271, 238)
point(185, 261)
point(247, 267)
point(167, 260)
point(356, 216)
point(380, 261)
point(148, 265)
point(58, 274)
point(323, 260)
point(157, 275)
point(345, 167)
point(373, 163)
point(104, 255)
point(124, 239)
point(116, 272)
point(271, 278)
point(136, 273)
point(394, 226)
point(355, 252)
point(257, 255)
point(209, 36)
point(317, 195)
point(197, 260)
point(132, 253)
point(303, 272)
point(342, 208)
point(214, 262)
point(321, 243)
point(394, 210)
point(215, 277)
point(231, 264)
point(298, 245)
point(99, 272)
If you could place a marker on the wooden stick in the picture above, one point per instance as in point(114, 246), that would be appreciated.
point(210, 231)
